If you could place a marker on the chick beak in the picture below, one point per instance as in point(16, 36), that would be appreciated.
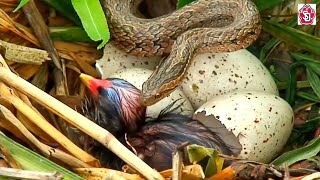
point(86, 79)
point(90, 82)
point(94, 84)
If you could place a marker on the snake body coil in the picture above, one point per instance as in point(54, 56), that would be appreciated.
point(203, 26)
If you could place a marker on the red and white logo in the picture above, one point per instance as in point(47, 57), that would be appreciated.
point(306, 14)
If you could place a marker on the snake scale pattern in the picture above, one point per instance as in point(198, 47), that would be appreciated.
point(203, 26)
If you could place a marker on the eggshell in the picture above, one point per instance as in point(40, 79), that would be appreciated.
point(214, 74)
point(114, 60)
point(262, 121)
point(137, 76)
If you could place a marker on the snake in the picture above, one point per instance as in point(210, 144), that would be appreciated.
point(202, 26)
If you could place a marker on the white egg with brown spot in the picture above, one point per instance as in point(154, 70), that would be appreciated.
point(137, 76)
point(114, 60)
point(214, 74)
point(262, 121)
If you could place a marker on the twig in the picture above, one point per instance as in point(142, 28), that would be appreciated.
point(100, 173)
point(45, 125)
point(41, 31)
point(286, 172)
point(312, 176)
point(25, 174)
point(177, 165)
point(23, 54)
point(177, 161)
point(38, 119)
point(16, 28)
point(48, 151)
point(79, 121)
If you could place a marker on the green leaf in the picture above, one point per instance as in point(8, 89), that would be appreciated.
point(306, 152)
point(313, 70)
point(273, 42)
point(263, 4)
point(309, 60)
point(196, 153)
point(301, 57)
point(182, 3)
point(267, 48)
point(314, 80)
point(20, 5)
point(299, 84)
point(313, 115)
point(71, 34)
point(211, 167)
point(65, 8)
point(292, 36)
point(93, 20)
point(308, 96)
point(314, 66)
point(215, 163)
point(291, 87)
point(32, 161)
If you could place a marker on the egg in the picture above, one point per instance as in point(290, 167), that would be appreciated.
point(262, 121)
point(214, 74)
point(137, 76)
point(114, 60)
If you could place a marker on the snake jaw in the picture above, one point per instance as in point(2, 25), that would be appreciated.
point(150, 98)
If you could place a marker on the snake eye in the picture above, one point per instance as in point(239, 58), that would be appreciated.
point(157, 95)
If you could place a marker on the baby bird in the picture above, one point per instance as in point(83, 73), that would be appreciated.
point(116, 105)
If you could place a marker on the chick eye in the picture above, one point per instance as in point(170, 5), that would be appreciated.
point(99, 89)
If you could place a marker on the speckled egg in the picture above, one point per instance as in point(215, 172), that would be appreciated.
point(114, 60)
point(262, 121)
point(137, 76)
point(214, 74)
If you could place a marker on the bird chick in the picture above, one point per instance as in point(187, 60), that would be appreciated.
point(114, 104)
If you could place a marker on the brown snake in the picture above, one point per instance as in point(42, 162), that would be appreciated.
point(203, 26)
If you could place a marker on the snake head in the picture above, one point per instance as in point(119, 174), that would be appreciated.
point(154, 91)
point(152, 96)
point(165, 79)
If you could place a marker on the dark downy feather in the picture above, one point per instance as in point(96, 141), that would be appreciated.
point(119, 109)
point(157, 139)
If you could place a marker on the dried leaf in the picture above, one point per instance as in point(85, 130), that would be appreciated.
point(24, 54)
point(27, 71)
point(191, 172)
point(103, 173)
point(85, 67)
